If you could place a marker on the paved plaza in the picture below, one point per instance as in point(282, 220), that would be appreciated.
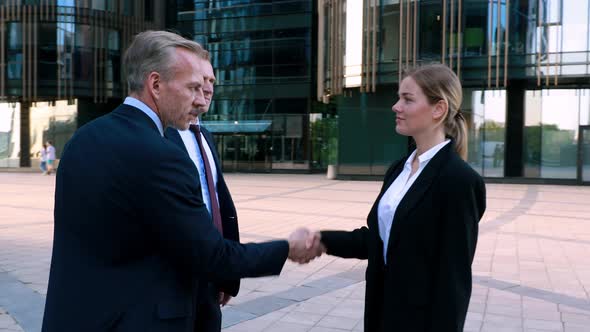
point(531, 271)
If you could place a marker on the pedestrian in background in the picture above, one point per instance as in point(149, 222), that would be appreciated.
point(43, 158)
point(50, 151)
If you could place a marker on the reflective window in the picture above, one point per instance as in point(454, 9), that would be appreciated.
point(497, 26)
point(84, 53)
point(9, 134)
point(561, 37)
point(14, 52)
point(389, 32)
point(99, 4)
point(261, 52)
point(551, 131)
point(474, 32)
point(430, 21)
point(485, 112)
point(113, 61)
point(52, 121)
point(353, 54)
point(47, 51)
point(66, 3)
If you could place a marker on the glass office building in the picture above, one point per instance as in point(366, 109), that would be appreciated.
point(524, 66)
point(261, 52)
point(60, 67)
point(302, 84)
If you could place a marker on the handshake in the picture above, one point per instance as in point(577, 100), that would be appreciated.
point(304, 246)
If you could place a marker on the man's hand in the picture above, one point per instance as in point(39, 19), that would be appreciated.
point(304, 246)
point(224, 298)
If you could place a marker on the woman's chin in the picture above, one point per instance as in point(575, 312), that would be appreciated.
point(400, 130)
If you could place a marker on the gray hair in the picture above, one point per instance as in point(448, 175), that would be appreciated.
point(153, 51)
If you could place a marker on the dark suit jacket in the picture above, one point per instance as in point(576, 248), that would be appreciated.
point(426, 284)
point(128, 241)
point(229, 216)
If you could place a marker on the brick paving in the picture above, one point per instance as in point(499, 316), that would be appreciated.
point(531, 271)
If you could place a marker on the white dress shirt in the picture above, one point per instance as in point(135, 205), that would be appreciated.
point(190, 142)
point(148, 111)
point(398, 189)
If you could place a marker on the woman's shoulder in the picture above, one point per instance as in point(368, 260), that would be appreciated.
point(457, 170)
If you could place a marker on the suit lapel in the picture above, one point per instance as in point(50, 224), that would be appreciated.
point(416, 193)
point(213, 148)
point(173, 135)
point(373, 216)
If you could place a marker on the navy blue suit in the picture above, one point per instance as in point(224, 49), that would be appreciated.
point(129, 241)
point(208, 311)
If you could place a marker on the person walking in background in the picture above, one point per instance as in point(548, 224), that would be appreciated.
point(132, 243)
point(200, 146)
point(50, 149)
point(422, 230)
point(43, 159)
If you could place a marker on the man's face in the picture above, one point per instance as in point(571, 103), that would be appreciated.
point(208, 83)
point(181, 97)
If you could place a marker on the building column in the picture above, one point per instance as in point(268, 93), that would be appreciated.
point(515, 110)
point(25, 134)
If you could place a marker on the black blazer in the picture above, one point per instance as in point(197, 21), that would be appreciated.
point(229, 216)
point(426, 284)
point(128, 242)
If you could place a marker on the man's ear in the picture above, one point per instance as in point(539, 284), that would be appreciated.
point(440, 110)
point(153, 81)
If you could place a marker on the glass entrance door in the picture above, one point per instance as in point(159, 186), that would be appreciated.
point(584, 155)
point(245, 153)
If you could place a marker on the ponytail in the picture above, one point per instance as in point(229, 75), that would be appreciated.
point(459, 134)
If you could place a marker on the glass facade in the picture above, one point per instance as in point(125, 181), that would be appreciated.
point(9, 134)
point(525, 70)
point(62, 51)
point(261, 52)
point(524, 66)
point(552, 129)
point(485, 112)
point(52, 121)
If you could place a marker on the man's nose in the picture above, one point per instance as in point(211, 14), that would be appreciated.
point(199, 98)
point(207, 90)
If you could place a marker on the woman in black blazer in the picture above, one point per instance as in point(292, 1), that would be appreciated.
point(422, 230)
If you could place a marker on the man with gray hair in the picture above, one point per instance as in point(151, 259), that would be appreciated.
point(131, 231)
point(199, 144)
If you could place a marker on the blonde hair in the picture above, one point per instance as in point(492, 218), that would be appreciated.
point(439, 82)
point(153, 51)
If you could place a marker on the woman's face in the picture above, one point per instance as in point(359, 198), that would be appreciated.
point(414, 115)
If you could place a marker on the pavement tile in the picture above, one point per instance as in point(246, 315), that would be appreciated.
point(531, 271)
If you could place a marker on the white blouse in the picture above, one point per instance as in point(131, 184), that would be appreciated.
point(398, 189)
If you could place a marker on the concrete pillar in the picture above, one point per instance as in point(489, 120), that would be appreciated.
point(515, 112)
point(25, 134)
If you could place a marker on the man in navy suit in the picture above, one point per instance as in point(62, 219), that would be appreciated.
point(208, 309)
point(130, 238)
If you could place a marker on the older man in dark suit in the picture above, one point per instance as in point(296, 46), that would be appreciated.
point(200, 146)
point(132, 233)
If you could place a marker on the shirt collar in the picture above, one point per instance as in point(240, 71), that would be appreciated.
point(148, 111)
point(426, 156)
